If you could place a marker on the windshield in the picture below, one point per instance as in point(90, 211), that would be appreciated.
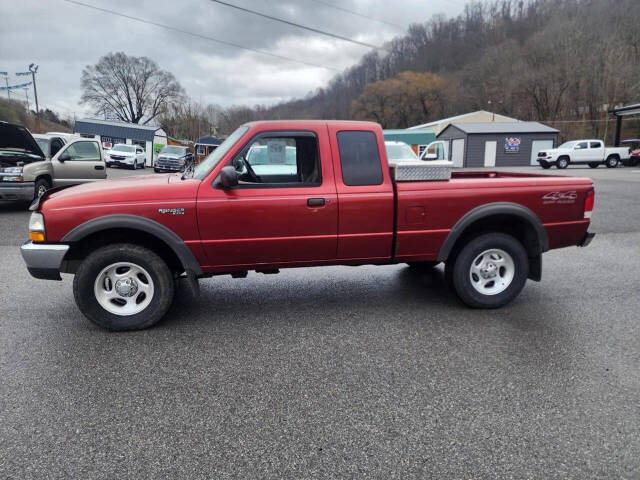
point(400, 151)
point(43, 143)
point(173, 150)
point(212, 160)
point(567, 145)
point(124, 148)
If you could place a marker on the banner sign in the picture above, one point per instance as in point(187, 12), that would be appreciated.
point(23, 73)
point(15, 87)
point(511, 145)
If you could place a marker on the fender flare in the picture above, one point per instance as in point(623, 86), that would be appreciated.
point(488, 210)
point(135, 222)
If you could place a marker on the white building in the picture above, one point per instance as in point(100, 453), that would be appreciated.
point(150, 138)
point(472, 117)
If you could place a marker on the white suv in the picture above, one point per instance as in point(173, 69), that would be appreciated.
point(123, 155)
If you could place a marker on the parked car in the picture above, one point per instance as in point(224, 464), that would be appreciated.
point(436, 151)
point(26, 171)
point(399, 152)
point(634, 149)
point(123, 155)
point(343, 205)
point(590, 152)
point(173, 158)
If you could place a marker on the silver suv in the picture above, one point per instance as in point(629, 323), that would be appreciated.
point(26, 171)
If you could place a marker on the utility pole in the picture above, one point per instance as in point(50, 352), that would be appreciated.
point(33, 68)
point(26, 94)
point(6, 81)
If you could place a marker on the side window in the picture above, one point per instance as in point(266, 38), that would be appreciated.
point(359, 158)
point(582, 145)
point(56, 145)
point(596, 145)
point(83, 152)
point(288, 159)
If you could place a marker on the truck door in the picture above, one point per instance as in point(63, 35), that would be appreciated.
point(581, 152)
point(78, 162)
point(365, 193)
point(284, 210)
point(596, 151)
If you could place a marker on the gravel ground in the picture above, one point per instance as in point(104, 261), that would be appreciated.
point(335, 372)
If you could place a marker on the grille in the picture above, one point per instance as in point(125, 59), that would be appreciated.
point(117, 157)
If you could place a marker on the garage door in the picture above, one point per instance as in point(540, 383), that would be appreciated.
point(490, 153)
point(457, 152)
point(538, 146)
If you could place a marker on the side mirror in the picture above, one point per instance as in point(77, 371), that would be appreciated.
point(228, 177)
point(64, 157)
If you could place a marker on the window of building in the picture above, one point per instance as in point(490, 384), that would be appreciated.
point(359, 158)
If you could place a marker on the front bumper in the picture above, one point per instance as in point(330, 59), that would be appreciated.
point(169, 165)
point(17, 191)
point(44, 259)
point(120, 163)
point(587, 239)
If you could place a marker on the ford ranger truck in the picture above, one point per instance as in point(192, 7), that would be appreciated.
point(127, 241)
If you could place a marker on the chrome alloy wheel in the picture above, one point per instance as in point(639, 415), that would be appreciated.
point(123, 288)
point(492, 271)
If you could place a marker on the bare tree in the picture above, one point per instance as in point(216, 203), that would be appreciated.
point(134, 88)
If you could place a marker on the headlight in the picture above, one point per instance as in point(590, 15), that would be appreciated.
point(36, 227)
point(11, 174)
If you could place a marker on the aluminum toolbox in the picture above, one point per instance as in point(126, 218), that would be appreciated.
point(420, 171)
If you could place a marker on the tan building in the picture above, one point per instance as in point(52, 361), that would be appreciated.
point(481, 116)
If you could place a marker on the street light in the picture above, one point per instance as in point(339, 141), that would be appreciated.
point(33, 68)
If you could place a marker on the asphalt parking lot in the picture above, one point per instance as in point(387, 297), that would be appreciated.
point(336, 372)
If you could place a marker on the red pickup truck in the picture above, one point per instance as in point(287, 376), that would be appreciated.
point(299, 194)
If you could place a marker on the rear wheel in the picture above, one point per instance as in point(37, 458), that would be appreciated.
point(594, 164)
point(612, 162)
point(123, 287)
point(562, 163)
point(41, 186)
point(489, 271)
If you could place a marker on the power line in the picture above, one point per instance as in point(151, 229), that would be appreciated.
point(352, 12)
point(198, 35)
point(304, 27)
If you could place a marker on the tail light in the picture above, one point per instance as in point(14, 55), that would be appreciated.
point(588, 203)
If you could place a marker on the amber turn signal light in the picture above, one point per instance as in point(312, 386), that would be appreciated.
point(36, 236)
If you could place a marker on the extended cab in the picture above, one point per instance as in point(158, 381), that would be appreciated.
point(591, 152)
point(127, 241)
point(30, 166)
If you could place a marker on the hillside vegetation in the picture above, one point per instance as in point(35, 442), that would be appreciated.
point(563, 62)
point(15, 111)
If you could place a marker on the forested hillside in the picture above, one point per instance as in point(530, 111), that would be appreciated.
point(563, 62)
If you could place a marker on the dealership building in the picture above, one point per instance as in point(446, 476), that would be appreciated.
point(497, 144)
point(150, 138)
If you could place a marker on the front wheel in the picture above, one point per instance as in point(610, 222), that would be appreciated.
point(562, 163)
point(612, 162)
point(41, 186)
point(123, 287)
point(594, 165)
point(489, 271)
point(546, 166)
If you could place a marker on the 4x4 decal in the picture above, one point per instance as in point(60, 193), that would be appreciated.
point(560, 197)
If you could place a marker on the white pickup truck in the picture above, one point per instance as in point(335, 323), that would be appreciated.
point(590, 152)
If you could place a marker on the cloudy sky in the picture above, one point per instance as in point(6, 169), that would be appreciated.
point(63, 38)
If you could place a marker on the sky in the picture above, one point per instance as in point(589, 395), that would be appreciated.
point(63, 38)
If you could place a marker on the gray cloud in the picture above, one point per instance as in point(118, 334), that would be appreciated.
point(63, 38)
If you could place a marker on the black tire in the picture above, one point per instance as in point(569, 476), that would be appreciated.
point(422, 266)
point(546, 166)
point(612, 161)
point(92, 265)
point(458, 270)
point(157, 170)
point(594, 164)
point(135, 165)
point(562, 163)
point(41, 186)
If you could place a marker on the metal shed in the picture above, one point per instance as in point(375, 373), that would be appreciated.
point(151, 138)
point(494, 144)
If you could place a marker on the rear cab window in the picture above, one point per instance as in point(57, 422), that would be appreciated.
point(359, 158)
